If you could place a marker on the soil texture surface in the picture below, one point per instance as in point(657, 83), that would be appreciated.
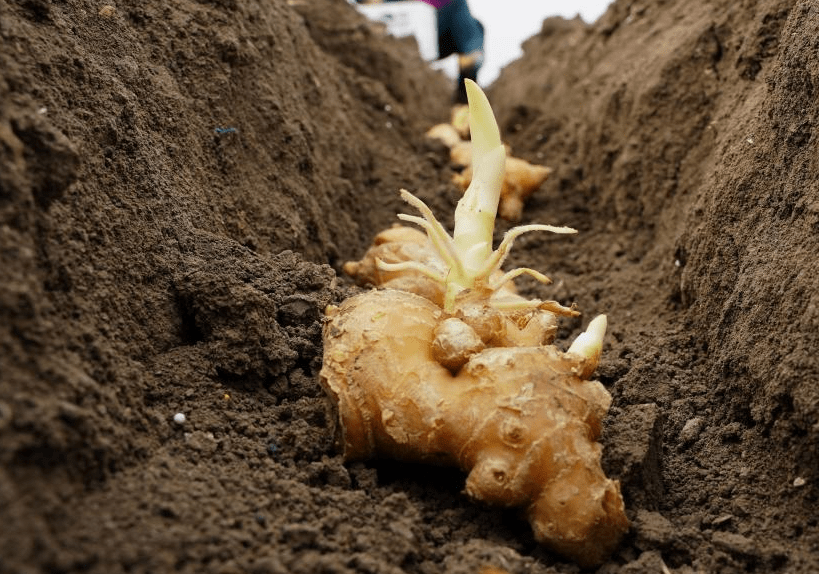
point(181, 182)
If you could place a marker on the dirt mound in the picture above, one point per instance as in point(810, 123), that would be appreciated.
point(180, 183)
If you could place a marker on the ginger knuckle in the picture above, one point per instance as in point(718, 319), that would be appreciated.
point(454, 343)
point(586, 524)
point(490, 481)
point(400, 234)
point(513, 433)
point(488, 323)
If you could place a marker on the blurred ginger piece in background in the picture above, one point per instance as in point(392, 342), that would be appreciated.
point(521, 178)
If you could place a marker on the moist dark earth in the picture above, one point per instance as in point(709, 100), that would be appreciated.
point(180, 183)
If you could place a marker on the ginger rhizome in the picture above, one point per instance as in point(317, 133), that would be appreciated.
point(446, 364)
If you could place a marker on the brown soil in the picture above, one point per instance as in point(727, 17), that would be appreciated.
point(180, 182)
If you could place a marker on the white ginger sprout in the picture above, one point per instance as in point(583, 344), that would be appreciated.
point(468, 253)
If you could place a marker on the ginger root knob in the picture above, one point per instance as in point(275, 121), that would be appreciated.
point(454, 343)
point(520, 420)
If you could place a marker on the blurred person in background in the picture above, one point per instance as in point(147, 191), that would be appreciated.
point(458, 33)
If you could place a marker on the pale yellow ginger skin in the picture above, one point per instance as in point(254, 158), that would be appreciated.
point(453, 368)
point(459, 119)
point(460, 155)
point(519, 420)
point(397, 245)
point(446, 134)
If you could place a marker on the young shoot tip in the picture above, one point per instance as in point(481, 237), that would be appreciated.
point(468, 252)
point(589, 344)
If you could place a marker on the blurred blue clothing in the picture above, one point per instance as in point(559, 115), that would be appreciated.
point(458, 31)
